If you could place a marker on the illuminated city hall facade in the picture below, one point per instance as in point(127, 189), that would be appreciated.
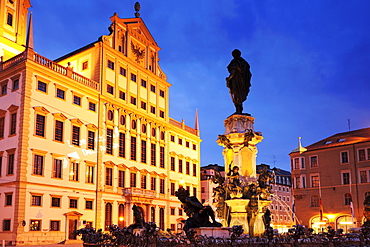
point(87, 136)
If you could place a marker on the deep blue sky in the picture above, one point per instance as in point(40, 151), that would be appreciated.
point(310, 61)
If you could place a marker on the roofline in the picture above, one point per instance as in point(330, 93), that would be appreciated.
point(86, 47)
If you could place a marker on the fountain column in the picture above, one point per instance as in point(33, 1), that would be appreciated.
point(239, 142)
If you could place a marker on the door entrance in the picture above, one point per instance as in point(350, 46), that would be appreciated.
point(72, 227)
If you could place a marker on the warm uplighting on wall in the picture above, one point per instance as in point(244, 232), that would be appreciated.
point(330, 216)
point(181, 183)
point(121, 218)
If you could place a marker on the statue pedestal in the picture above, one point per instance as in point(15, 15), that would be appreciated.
point(216, 232)
point(238, 214)
point(239, 142)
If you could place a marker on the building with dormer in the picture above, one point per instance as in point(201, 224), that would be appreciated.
point(331, 179)
point(85, 137)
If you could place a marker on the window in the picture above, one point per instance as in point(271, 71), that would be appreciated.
point(153, 181)
point(315, 181)
point(10, 168)
point(2, 126)
point(122, 71)
point(92, 106)
point(194, 147)
point(143, 151)
point(143, 83)
point(108, 176)
point(121, 178)
point(180, 166)
point(161, 186)
point(313, 161)
point(152, 88)
point(132, 180)
point(4, 89)
point(13, 124)
point(109, 142)
point(143, 105)
point(152, 109)
point(42, 86)
point(180, 141)
point(152, 214)
point(180, 212)
point(296, 163)
point(172, 163)
point(110, 64)
point(1, 163)
point(122, 120)
point(187, 168)
point(73, 203)
point(58, 134)
point(173, 189)
point(162, 135)
point(54, 225)
point(40, 125)
point(60, 93)
point(133, 100)
point(6, 225)
point(91, 140)
point(57, 168)
point(73, 171)
point(76, 100)
point(161, 114)
point(108, 216)
point(35, 225)
point(161, 157)
point(9, 19)
point(347, 199)
point(161, 93)
point(187, 144)
point(88, 204)
point(122, 95)
point(363, 176)
point(38, 163)
point(194, 191)
point(344, 157)
point(154, 132)
point(90, 174)
point(172, 138)
point(297, 182)
point(55, 202)
point(143, 181)
point(8, 199)
point(133, 77)
point(345, 178)
point(194, 170)
point(85, 65)
point(172, 211)
point(133, 124)
point(36, 200)
point(153, 154)
point(121, 145)
point(110, 115)
point(133, 148)
point(361, 155)
point(110, 89)
point(76, 135)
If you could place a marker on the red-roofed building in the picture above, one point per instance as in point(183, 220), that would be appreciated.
point(331, 179)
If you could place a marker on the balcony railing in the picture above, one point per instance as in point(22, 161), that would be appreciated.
point(184, 127)
point(66, 71)
point(138, 192)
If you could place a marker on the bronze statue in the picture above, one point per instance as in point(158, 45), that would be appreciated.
point(239, 80)
point(198, 214)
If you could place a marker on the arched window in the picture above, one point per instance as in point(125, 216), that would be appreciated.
point(314, 201)
point(347, 199)
point(345, 222)
point(161, 218)
point(108, 216)
point(121, 215)
point(152, 214)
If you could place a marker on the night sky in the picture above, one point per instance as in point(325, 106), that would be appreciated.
point(310, 61)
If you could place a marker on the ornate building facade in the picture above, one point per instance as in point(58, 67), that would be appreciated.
point(85, 137)
point(331, 179)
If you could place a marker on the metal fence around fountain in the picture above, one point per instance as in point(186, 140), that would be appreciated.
point(298, 236)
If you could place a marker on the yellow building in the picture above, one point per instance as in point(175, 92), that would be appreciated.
point(331, 179)
point(85, 137)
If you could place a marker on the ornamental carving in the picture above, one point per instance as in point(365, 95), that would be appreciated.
point(139, 53)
